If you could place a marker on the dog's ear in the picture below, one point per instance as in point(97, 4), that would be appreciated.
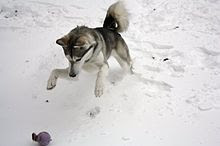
point(63, 41)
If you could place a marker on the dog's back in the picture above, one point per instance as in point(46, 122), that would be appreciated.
point(111, 39)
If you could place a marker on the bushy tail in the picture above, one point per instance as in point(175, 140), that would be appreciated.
point(117, 17)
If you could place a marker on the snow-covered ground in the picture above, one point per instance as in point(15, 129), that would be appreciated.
point(172, 100)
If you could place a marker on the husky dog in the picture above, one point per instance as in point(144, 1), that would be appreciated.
point(90, 48)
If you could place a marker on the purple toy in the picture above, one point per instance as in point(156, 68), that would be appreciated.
point(43, 138)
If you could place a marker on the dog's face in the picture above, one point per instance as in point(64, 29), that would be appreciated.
point(78, 49)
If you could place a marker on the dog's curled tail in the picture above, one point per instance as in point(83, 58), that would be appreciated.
point(117, 17)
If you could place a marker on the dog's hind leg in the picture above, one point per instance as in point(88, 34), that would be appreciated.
point(101, 77)
point(121, 54)
point(125, 65)
point(55, 74)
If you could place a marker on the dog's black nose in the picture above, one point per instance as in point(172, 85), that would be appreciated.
point(72, 75)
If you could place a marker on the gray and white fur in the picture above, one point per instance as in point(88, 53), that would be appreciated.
point(90, 48)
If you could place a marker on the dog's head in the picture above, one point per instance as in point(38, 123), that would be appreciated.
point(78, 46)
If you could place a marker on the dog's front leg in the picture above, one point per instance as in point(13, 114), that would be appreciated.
point(55, 74)
point(101, 77)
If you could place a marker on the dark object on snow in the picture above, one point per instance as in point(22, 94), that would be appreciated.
point(176, 27)
point(43, 138)
point(47, 101)
point(94, 112)
point(165, 59)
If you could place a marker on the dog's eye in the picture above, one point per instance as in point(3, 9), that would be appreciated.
point(78, 59)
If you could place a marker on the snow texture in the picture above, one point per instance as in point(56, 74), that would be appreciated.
point(173, 99)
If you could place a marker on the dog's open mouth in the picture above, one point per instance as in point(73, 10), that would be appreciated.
point(72, 75)
point(74, 78)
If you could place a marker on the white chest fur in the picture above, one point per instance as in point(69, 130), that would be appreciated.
point(95, 64)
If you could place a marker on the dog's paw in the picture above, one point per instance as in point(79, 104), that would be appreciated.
point(51, 83)
point(99, 90)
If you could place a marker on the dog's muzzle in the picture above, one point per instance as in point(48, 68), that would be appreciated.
point(73, 71)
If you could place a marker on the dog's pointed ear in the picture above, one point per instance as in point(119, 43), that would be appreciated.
point(63, 41)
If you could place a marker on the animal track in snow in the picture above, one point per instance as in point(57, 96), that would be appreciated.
point(160, 85)
point(206, 58)
point(209, 52)
point(159, 46)
point(94, 112)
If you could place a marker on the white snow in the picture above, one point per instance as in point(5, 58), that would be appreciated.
point(172, 100)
